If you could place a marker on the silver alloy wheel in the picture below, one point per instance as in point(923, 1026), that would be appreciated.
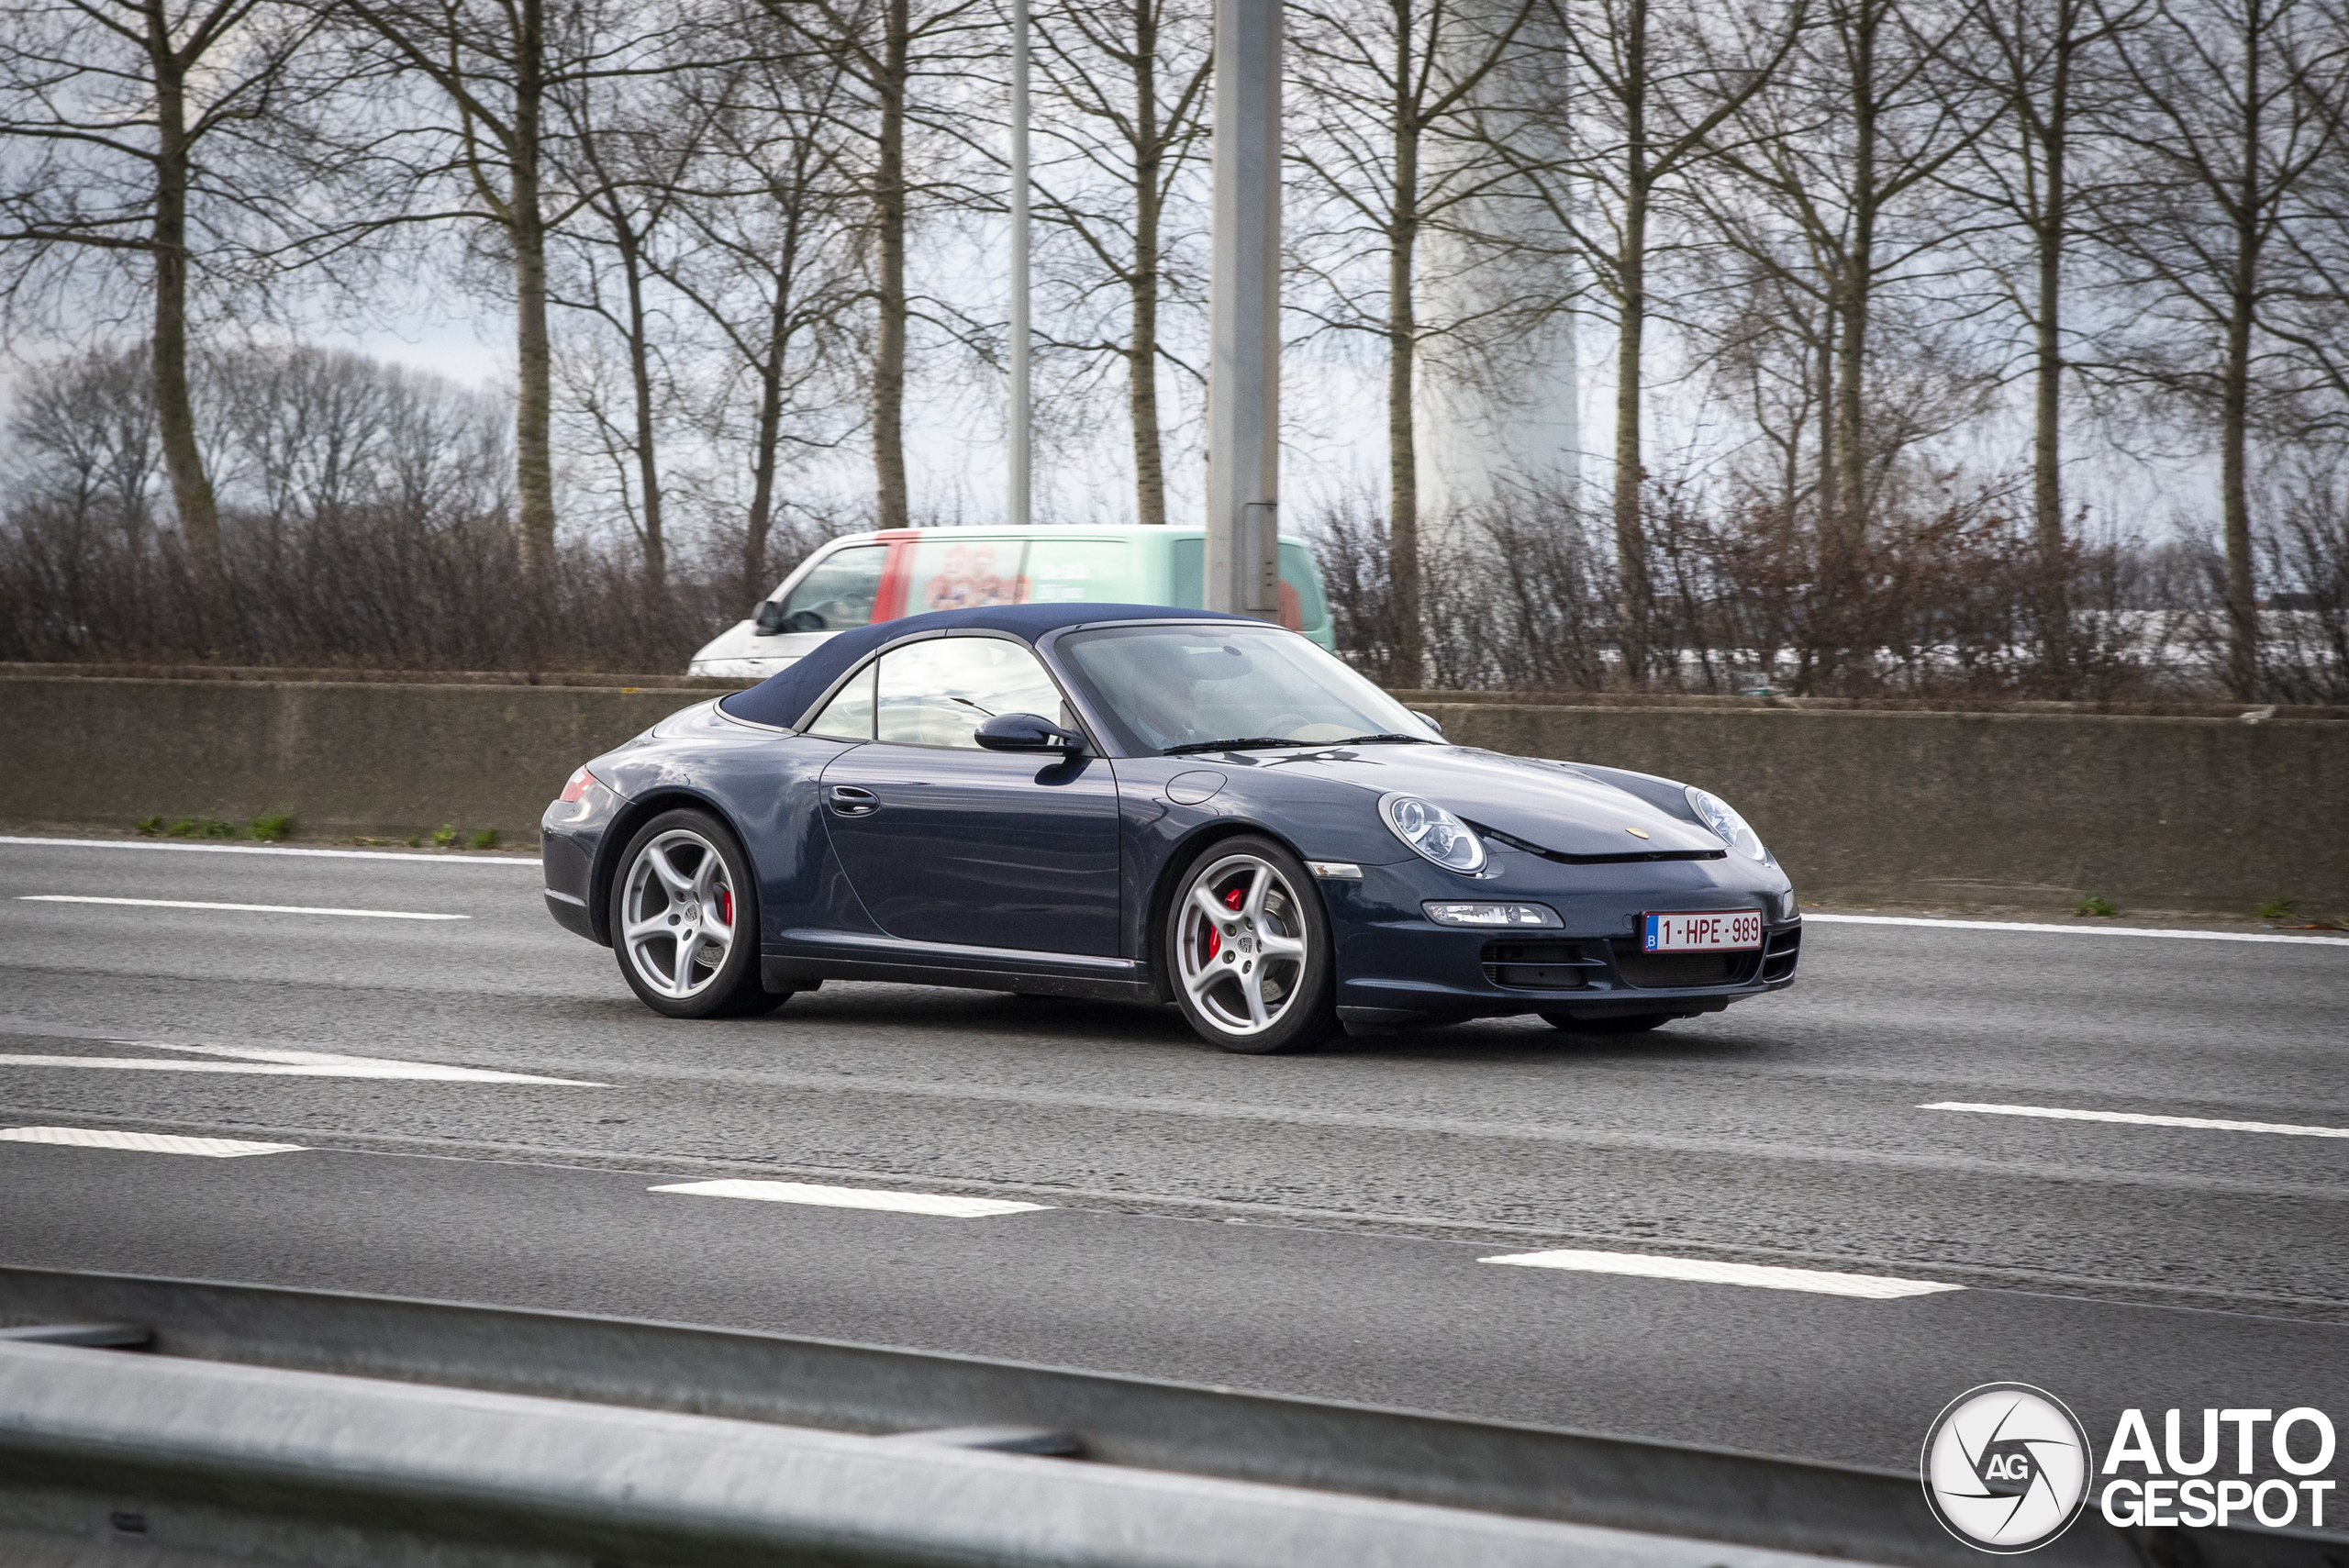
point(677, 914)
point(1239, 944)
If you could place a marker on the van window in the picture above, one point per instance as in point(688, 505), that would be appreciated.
point(838, 593)
point(963, 574)
point(1302, 607)
point(1079, 570)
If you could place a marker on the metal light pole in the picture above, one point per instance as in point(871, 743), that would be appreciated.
point(1243, 314)
point(1022, 437)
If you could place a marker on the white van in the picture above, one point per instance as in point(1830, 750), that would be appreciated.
point(862, 578)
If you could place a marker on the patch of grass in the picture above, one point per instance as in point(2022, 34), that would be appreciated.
point(2280, 909)
point(2092, 904)
point(270, 825)
point(149, 826)
point(201, 828)
point(445, 835)
point(414, 840)
point(484, 839)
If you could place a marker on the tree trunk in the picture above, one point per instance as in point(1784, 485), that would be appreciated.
point(174, 410)
point(1631, 473)
point(1402, 346)
point(526, 230)
point(1857, 285)
point(763, 457)
point(889, 216)
point(640, 365)
point(2047, 451)
point(2234, 501)
point(1141, 356)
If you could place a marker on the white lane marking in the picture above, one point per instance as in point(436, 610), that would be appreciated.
point(2078, 931)
point(251, 908)
point(413, 859)
point(940, 1204)
point(1761, 1276)
point(269, 1063)
point(150, 1142)
point(2056, 1113)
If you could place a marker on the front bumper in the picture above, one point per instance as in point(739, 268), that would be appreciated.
point(1395, 965)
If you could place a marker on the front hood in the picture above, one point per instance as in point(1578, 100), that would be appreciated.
point(1545, 803)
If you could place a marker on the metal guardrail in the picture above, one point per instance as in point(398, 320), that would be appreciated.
point(431, 1432)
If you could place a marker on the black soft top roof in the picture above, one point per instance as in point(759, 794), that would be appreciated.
point(783, 698)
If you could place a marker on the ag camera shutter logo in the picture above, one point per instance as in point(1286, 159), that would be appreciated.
point(2007, 1467)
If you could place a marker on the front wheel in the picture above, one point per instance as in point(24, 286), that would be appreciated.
point(1250, 950)
point(685, 921)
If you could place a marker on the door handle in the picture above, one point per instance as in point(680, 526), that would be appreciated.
point(850, 800)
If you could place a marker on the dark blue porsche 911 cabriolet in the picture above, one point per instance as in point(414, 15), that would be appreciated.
point(1156, 805)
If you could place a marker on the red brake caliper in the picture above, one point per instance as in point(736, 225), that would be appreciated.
point(726, 905)
point(1232, 900)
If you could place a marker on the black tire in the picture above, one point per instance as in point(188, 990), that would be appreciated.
point(1623, 1023)
point(696, 898)
point(1276, 909)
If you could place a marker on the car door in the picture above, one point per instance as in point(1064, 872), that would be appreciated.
point(945, 842)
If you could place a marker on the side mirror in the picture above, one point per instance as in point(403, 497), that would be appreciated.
point(769, 618)
point(1026, 732)
point(1428, 719)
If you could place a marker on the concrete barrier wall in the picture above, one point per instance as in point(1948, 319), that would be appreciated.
point(1988, 808)
point(1992, 807)
point(346, 759)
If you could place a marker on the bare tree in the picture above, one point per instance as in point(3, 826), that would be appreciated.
point(1398, 149)
point(896, 53)
point(475, 145)
point(1659, 89)
point(2049, 64)
point(631, 156)
point(1842, 153)
point(1130, 80)
point(2235, 115)
point(119, 125)
point(771, 267)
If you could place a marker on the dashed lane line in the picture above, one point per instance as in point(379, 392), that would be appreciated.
point(2215, 1124)
point(1704, 1271)
point(2077, 931)
point(945, 1205)
point(250, 908)
point(146, 1142)
point(269, 1063)
point(413, 858)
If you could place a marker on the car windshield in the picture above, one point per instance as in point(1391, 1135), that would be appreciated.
point(1164, 688)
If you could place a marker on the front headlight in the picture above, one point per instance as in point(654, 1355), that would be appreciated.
point(1733, 829)
point(1433, 833)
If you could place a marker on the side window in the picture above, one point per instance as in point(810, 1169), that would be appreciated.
point(937, 692)
point(838, 593)
point(848, 716)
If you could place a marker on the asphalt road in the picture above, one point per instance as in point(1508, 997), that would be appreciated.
point(1312, 1225)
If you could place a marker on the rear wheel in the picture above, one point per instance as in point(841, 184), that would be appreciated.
point(1249, 949)
point(1627, 1023)
point(685, 921)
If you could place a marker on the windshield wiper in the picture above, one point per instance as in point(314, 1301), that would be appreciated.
point(1372, 739)
point(1245, 743)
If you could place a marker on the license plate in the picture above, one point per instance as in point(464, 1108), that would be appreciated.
point(1730, 930)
